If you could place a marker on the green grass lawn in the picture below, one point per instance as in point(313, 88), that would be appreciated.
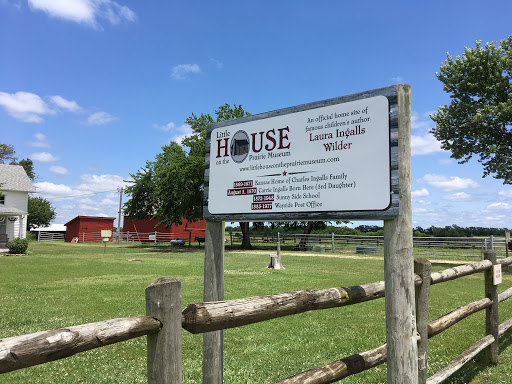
point(62, 284)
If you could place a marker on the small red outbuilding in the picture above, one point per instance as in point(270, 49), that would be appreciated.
point(143, 229)
point(88, 228)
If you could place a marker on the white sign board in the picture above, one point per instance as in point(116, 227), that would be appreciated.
point(496, 274)
point(326, 159)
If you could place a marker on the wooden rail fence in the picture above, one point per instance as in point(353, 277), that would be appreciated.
point(164, 321)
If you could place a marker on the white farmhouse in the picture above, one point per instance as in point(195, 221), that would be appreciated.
point(15, 186)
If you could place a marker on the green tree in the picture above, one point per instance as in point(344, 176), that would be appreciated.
point(27, 165)
point(6, 153)
point(40, 212)
point(479, 117)
point(171, 187)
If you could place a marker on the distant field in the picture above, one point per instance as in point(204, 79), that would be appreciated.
point(62, 284)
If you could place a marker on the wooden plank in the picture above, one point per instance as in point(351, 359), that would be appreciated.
point(341, 368)
point(460, 271)
point(491, 313)
point(505, 326)
point(459, 362)
point(441, 324)
point(423, 268)
point(213, 291)
point(402, 366)
point(41, 347)
point(210, 316)
point(164, 354)
point(505, 295)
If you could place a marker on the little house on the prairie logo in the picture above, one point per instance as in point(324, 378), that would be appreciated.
point(243, 143)
point(239, 146)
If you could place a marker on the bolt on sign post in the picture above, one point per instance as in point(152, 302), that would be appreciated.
point(106, 234)
point(346, 158)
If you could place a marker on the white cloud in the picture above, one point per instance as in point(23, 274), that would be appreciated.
point(448, 183)
point(85, 11)
point(505, 193)
point(424, 145)
point(444, 161)
point(25, 106)
point(398, 79)
point(180, 72)
point(51, 190)
point(59, 170)
point(499, 206)
point(181, 132)
point(421, 122)
point(41, 141)
point(100, 183)
point(61, 102)
point(45, 157)
point(100, 118)
point(178, 133)
point(420, 193)
point(458, 196)
point(167, 127)
point(217, 63)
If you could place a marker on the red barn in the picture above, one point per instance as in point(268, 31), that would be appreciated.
point(88, 228)
point(141, 230)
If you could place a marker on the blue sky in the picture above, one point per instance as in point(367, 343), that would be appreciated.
point(91, 89)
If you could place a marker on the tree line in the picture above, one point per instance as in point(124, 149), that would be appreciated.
point(262, 229)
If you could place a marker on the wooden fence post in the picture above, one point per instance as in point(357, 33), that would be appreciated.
point(332, 240)
point(163, 302)
point(491, 313)
point(213, 291)
point(402, 347)
point(507, 240)
point(423, 268)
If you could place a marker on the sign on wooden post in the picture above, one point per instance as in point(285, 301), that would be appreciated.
point(335, 159)
point(329, 160)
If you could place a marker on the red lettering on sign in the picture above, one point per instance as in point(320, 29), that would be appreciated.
point(220, 146)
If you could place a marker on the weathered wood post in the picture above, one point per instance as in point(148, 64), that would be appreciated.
point(402, 350)
point(163, 302)
point(213, 291)
point(332, 240)
point(491, 313)
point(507, 240)
point(423, 268)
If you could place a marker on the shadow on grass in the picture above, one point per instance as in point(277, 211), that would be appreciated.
point(477, 365)
point(165, 248)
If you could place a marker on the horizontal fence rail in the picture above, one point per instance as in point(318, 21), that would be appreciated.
point(213, 316)
point(165, 320)
point(41, 347)
point(50, 236)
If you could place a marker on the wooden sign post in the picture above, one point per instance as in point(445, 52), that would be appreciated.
point(402, 350)
point(346, 158)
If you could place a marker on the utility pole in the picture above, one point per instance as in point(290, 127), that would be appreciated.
point(120, 190)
